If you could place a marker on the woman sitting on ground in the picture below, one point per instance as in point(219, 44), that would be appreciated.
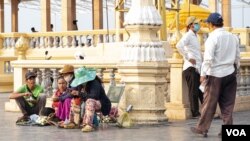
point(91, 91)
point(61, 100)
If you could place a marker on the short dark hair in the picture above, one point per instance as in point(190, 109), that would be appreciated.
point(188, 27)
point(218, 24)
point(29, 74)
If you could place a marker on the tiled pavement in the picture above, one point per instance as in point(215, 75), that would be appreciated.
point(171, 131)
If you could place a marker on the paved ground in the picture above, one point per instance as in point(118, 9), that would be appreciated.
point(171, 131)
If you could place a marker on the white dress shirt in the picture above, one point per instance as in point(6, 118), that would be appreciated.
point(221, 53)
point(189, 48)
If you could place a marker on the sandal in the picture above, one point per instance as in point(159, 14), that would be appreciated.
point(88, 128)
point(70, 125)
point(24, 118)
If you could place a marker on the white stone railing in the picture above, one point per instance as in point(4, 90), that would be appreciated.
point(243, 78)
point(244, 36)
point(62, 39)
point(7, 67)
point(242, 33)
point(47, 72)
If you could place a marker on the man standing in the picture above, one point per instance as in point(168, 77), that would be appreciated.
point(28, 97)
point(189, 48)
point(221, 58)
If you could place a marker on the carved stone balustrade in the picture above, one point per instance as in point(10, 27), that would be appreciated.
point(47, 73)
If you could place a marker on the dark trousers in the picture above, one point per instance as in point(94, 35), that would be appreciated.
point(193, 82)
point(218, 90)
point(26, 109)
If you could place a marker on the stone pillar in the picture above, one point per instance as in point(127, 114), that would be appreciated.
point(1, 61)
point(97, 17)
point(119, 20)
point(14, 15)
point(46, 20)
point(1, 67)
point(11, 105)
point(244, 39)
point(73, 9)
point(226, 12)
point(19, 81)
point(213, 5)
point(67, 17)
point(178, 107)
point(21, 46)
point(162, 11)
point(97, 14)
point(143, 66)
point(1, 16)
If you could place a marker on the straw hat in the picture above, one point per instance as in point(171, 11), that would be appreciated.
point(83, 75)
point(192, 19)
point(67, 69)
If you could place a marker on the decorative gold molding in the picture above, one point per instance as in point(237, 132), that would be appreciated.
point(22, 46)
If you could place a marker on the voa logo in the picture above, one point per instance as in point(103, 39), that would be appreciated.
point(236, 132)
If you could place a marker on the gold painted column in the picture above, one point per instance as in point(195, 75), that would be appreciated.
point(97, 17)
point(67, 17)
point(119, 19)
point(73, 9)
point(213, 5)
point(226, 12)
point(46, 20)
point(162, 11)
point(1, 16)
point(97, 14)
point(14, 15)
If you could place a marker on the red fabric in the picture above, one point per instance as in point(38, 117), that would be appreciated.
point(56, 103)
point(77, 101)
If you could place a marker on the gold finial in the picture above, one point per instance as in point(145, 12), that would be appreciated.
point(22, 46)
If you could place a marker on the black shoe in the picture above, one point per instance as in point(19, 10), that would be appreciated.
point(198, 132)
point(217, 117)
point(219, 134)
point(196, 116)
